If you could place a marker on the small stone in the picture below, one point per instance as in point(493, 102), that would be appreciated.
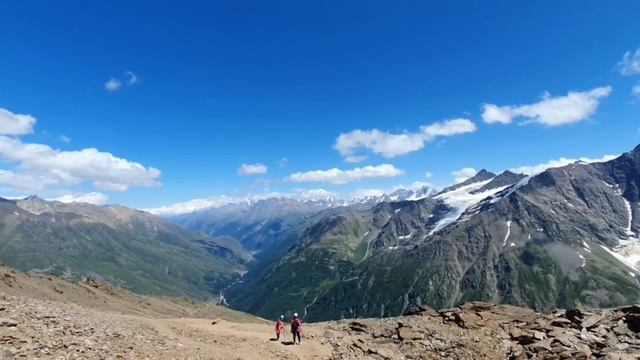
point(591, 321)
point(580, 355)
point(541, 346)
point(564, 355)
point(8, 322)
point(405, 333)
point(539, 335)
point(619, 356)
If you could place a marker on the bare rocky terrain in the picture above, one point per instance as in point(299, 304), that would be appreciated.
point(42, 316)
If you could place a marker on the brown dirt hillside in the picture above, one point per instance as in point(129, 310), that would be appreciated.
point(45, 317)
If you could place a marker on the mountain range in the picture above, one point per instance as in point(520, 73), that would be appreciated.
point(564, 237)
point(129, 247)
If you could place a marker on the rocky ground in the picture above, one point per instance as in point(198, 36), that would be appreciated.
point(487, 331)
point(48, 318)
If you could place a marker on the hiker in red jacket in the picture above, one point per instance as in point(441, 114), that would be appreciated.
point(296, 328)
point(279, 326)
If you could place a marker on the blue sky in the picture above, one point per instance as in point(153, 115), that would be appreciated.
point(200, 88)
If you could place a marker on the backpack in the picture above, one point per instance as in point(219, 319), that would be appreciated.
point(295, 325)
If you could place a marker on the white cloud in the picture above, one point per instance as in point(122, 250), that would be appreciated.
point(15, 124)
point(448, 128)
point(65, 139)
point(630, 63)
point(339, 176)
point(283, 162)
point(391, 145)
point(94, 198)
point(536, 169)
point(131, 77)
point(635, 90)
point(208, 203)
point(252, 169)
point(428, 174)
point(463, 174)
point(29, 182)
point(191, 206)
point(38, 166)
point(416, 185)
point(113, 85)
point(550, 111)
point(313, 194)
point(367, 193)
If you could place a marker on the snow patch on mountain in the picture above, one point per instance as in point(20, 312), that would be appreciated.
point(506, 237)
point(628, 252)
point(629, 217)
point(461, 199)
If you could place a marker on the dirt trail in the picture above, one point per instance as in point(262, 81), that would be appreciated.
point(231, 340)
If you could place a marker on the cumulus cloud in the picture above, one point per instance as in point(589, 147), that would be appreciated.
point(635, 90)
point(207, 203)
point(48, 166)
point(94, 198)
point(416, 185)
point(367, 193)
point(391, 145)
point(630, 63)
point(338, 176)
point(113, 85)
point(65, 139)
point(536, 169)
point(463, 174)
point(15, 124)
point(550, 111)
point(191, 206)
point(38, 166)
point(312, 194)
point(252, 169)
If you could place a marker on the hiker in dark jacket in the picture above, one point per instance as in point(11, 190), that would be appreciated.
point(296, 328)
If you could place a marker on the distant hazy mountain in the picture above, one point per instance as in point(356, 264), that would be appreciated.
point(263, 224)
point(135, 249)
point(564, 237)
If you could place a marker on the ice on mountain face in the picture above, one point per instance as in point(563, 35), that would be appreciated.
point(587, 248)
point(513, 189)
point(397, 211)
point(513, 244)
point(506, 237)
point(16, 213)
point(460, 200)
point(405, 237)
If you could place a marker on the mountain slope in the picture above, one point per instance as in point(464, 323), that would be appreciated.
point(134, 249)
point(565, 237)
